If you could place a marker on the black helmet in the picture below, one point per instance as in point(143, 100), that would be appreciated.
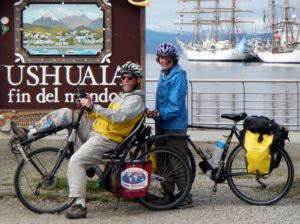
point(132, 68)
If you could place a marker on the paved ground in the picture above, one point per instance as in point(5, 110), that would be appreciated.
point(209, 207)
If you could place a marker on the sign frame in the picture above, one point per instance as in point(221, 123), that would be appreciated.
point(65, 56)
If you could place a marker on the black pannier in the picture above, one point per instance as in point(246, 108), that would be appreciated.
point(259, 124)
point(280, 135)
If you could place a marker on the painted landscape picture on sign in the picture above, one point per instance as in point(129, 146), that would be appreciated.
point(62, 29)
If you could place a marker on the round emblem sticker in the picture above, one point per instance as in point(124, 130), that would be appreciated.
point(134, 178)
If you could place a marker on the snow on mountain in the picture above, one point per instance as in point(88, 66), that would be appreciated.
point(48, 21)
point(74, 21)
point(71, 22)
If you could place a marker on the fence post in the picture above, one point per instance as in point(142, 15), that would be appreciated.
point(244, 96)
point(298, 107)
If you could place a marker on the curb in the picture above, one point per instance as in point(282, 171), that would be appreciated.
point(195, 135)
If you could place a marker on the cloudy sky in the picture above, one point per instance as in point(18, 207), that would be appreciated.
point(161, 14)
point(58, 11)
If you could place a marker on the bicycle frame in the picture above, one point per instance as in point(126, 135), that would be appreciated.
point(233, 132)
point(41, 134)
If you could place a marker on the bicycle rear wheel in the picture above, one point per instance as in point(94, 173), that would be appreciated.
point(192, 164)
point(259, 189)
point(43, 192)
point(169, 172)
point(190, 157)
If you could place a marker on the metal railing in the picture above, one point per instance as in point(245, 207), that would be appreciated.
point(209, 98)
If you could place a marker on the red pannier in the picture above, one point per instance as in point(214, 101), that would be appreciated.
point(135, 179)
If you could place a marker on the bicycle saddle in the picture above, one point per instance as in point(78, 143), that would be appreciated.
point(235, 117)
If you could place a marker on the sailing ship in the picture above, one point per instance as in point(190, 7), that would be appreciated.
point(285, 47)
point(208, 19)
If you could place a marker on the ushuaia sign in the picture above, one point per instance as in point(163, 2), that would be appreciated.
point(50, 48)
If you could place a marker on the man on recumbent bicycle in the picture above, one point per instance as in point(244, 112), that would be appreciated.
point(110, 126)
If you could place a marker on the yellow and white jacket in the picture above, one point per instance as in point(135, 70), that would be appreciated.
point(117, 121)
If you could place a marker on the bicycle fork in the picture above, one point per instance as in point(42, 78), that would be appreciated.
point(20, 148)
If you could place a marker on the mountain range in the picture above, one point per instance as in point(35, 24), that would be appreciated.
point(69, 22)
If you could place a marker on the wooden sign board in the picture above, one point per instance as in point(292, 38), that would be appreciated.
point(51, 47)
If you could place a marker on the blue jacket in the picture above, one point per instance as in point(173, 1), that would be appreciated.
point(171, 100)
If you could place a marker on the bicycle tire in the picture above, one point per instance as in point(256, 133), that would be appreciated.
point(192, 164)
point(190, 157)
point(162, 174)
point(259, 189)
point(37, 193)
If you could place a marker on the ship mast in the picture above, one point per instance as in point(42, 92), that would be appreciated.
point(273, 25)
point(233, 18)
point(287, 24)
point(198, 38)
point(283, 25)
point(216, 21)
point(217, 18)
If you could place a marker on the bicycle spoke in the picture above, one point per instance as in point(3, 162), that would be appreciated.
point(42, 194)
point(258, 189)
point(172, 174)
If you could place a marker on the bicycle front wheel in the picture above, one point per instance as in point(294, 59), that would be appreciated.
point(170, 179)
point(38, 186)
point(259, 189)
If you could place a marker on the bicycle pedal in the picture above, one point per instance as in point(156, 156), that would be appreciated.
point(117, 203)
point(215, 188)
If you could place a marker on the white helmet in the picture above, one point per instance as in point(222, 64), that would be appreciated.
point(132, 68)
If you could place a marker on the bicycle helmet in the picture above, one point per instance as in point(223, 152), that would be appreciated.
point(166, 49)
point(132, 68)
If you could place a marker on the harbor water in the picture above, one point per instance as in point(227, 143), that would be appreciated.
point(228, 70)
point(225, 87)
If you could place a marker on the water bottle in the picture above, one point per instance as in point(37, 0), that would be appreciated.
point(218, 151)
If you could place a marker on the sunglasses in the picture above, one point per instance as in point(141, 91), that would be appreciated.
point(128, 77)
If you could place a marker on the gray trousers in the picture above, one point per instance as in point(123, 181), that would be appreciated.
point(85, 157)
point(180, 145)
point(91, 146)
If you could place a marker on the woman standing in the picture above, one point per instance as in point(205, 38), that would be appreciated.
point(171, 114)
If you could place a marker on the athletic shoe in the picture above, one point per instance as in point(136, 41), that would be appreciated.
point(168, 198)
point(77, 212)
point(186, 203)
point(19, 132)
